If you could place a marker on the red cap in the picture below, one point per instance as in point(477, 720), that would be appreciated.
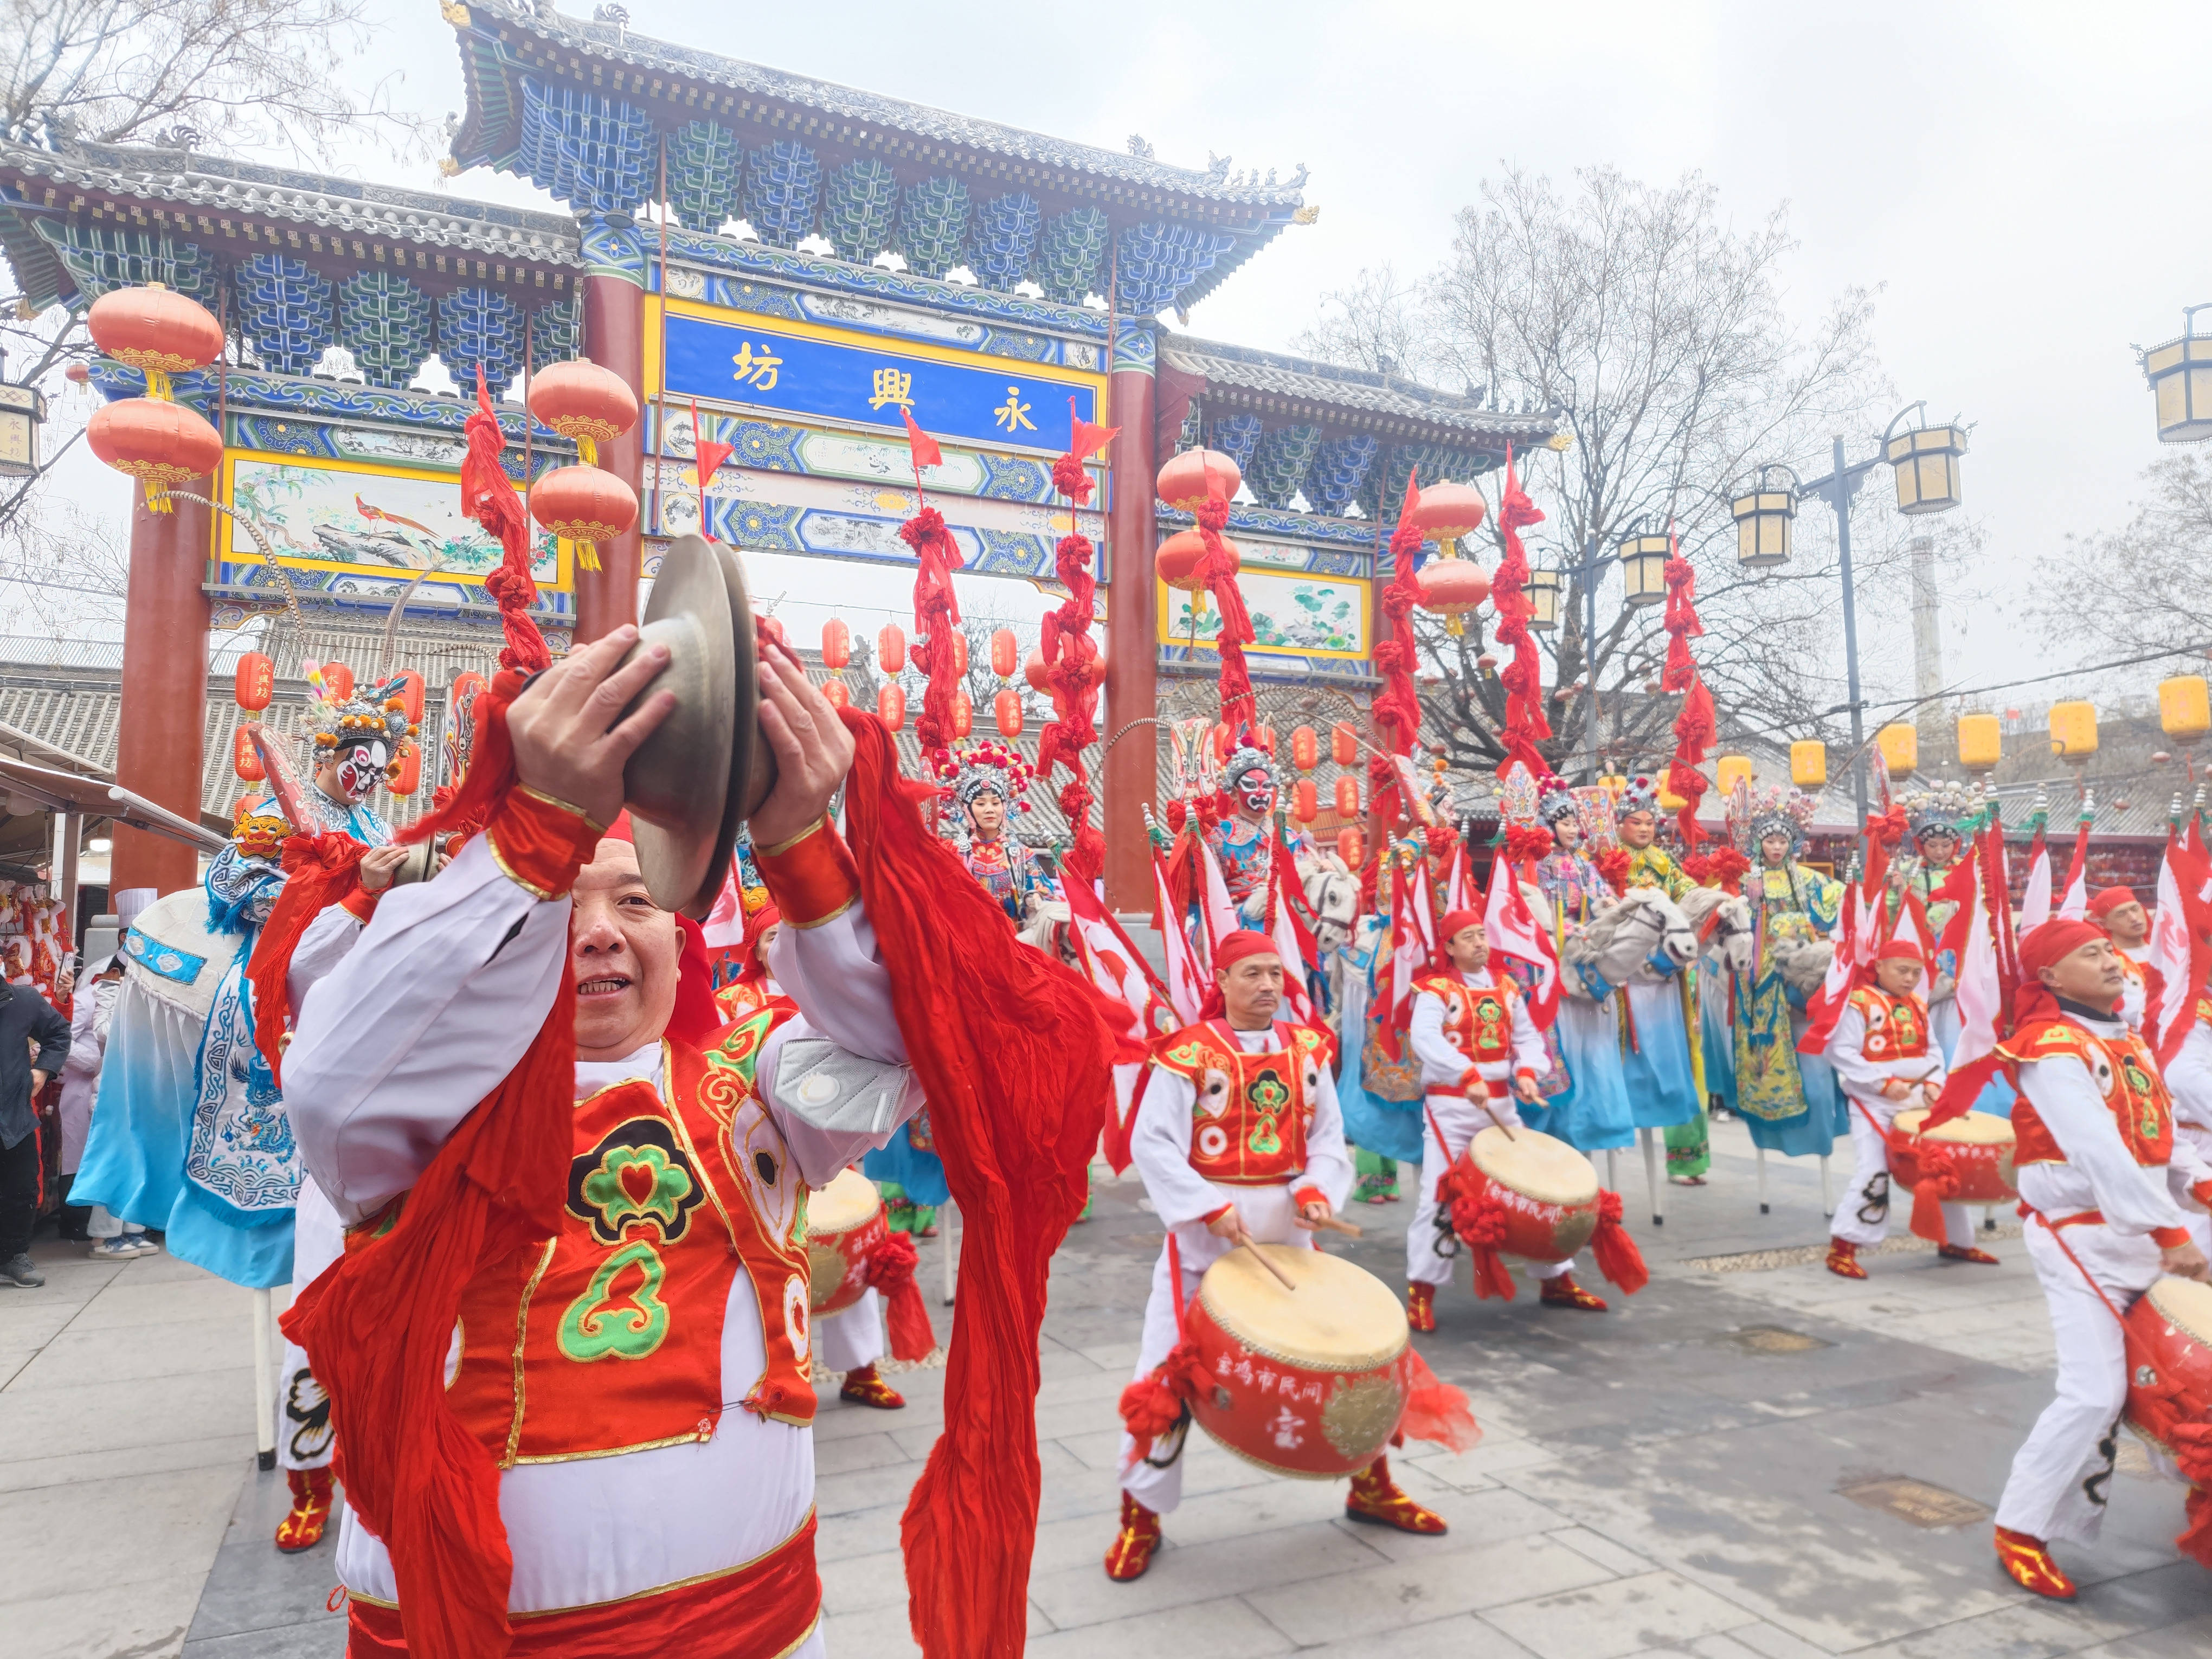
point(2054, 941)
point(1232, 948)
point(1454, 923)
point(1900, 950)
point(2107, 900)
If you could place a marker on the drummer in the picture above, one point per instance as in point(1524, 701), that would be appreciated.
point(1480, 1053)
point(1238, 1139)
point(1886, 1063)
point(2107, 1189)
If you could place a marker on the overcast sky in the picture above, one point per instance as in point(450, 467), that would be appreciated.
point(2016, 179)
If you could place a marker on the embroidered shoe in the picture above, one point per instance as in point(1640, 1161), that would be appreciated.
point(2030, 1566)
point(1563, 1292)
point(864, 1388)
point(302, 1528)
point(1844, 1259)
point(1131, 1552)
point(1966, 1253)
point(1376, 1501)
point(1421, 1306)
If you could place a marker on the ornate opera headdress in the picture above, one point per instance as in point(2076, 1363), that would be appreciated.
point(1772, 809)
point(1555, 800)
point(377, 715)
point(1639, 795)
point(991, 768)
point(1936, 811)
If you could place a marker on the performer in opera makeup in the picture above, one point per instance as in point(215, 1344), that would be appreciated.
point(1240, 840)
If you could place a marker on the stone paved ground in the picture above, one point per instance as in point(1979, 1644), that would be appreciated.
point(1670, 1478)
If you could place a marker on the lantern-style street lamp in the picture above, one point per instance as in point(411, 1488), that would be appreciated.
point(1763, 516)
point(2180, 376)
point(1644, 556)
point(1542, 588)
point(22, 411)
point(1927, 462)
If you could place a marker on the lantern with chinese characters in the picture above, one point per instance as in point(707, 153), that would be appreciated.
point(1731, 770)
point(964, 715)
point(2184, 711)
point(1451, 587)
point(837, 694)
point(337, 681)
point(1005, 652)
point(1305, 749)
point(1189, 478)
point(1305, 801)
point(836, 644)
point(1347, 796)
point(1900, 742)
point(157, 443)
point(1007, 712)
point(1343, 744)
point(408, 689)
point(1981, 741)
point(1808, 764)
point(254, 682)
point(584, 403)
point(959, 653)
point(1445, 512)
point(155, 331)
point(584, 505)
point(244, 759)
point(890, 707)
point(2073, 731)
point(404, 775)
point(1350, 846)
point(891, 649)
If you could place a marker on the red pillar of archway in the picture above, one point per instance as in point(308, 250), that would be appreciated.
point(613, 338)
point(159, 740)
point(1132, 772)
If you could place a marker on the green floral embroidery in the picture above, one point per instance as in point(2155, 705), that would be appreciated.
point(1269, 1095)
point(606, 1191)
point(597, 1324)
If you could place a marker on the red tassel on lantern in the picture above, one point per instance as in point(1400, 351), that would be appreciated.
point(837, 643)
point(255, 682)
point(1006, 711)
point(890, 647)
point(244, 759)
point(890, 707)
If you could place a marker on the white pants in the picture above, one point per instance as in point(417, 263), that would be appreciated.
point(846, 1341)
point(1862, 1216)
point(1460, 1119)
point(2062, 1473)
point(2189, 1077)
point(104, 1224)
point(304, 1440)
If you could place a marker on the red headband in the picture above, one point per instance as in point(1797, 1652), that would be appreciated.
point(1454, 923)
point(1232, 948)
point(2110, 899)
point(1900, 950)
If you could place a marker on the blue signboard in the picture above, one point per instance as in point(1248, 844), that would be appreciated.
point(746, 362)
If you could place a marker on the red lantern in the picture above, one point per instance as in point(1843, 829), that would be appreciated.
point(1006, 710)
point(960, 653)
point(1305, 802)
point(963, 713)
point(1035, 670)
point(1305, 749)
point(254, 682)
point(1005, 652)
point(157, 330)
point(583, 402)
point(837, 643)
point(158, 443)
point(1347, 797)
point(1446, 512)
point(890, 647)
point(410, 694)
point(1343, 744)
point(583, 504)
point(1350, 846)
point(1188, 478)
point(338, 680)
point(890, 707)
point(839, 694)
point(1179, 559)
point(245, 760)
point(1451, 588)
point(405, 772)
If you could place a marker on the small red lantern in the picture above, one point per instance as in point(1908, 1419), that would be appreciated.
point(837, 643)
point(254, 682)
point(1446, 512)
point(1452, 588)
point(1350, 846)
point(1181, 559)
point(410, 694)
point(584, 504)
point(1305, 749)
point(1190, 477)
point(963, 714)
point(838, 694)
point(338, 680)
point(1005, 652)
point(890, 707)
point(583, 402)
point(158, 443)
point(960, 653)
point(1305, 801)
point(1034, 670)
point(1343, 744)
point(1006, 710)
point(890, 647)
point(404, 774)
point(1347, 797)
point(157, 330)
point(244, 759)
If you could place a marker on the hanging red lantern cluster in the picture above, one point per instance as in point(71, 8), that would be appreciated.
point(1447, 511)
point(1305, 749)
point(155, 440)
point(1005, 652)
point(254, 682)
point(590, 406)
point(1006, 713)
point(1188, 479)
point(159, 444)
point(1452, 588)
point(891, 649)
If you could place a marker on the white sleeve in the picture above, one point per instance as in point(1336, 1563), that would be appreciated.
point(1529, 1053)
point(86, 1037)
point(1846, 1054)
point(327, 939)
point(421, 1020)
point(1441, 1063)
point(2134, 1199)
point(1328, 1164)
point(1159, 1145)
point(2189, 1078)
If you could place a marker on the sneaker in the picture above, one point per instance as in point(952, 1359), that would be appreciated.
point(20, 1270)
point(118, 1249)
point(141, 1244)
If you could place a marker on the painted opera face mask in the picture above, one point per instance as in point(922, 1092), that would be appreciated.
point(352, 773)
point(1255, 789)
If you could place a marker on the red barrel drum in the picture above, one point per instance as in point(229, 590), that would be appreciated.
point(844, 1222)
point(1980, 1146)
point(2169, 1337)
point(1548, 1191)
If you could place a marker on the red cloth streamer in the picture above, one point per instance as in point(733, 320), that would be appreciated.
point(1614, 1251)
point(936, 614)
point(891, 1272)
point(1068, 651)
point(377, 1325)
point(1479, 1218)
point(1397, 706)
point(1698, 724)
point(320, 871)
point(696, 1016)
point(488, 496)
point(2192, 1451)
point(1523, 677)
point(1435, 1410)
point(1012, 1050)
point(1937, 1182)
point(1219, 570)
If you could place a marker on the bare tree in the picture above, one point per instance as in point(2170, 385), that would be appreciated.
point(2149, 593)
point(1375, 324)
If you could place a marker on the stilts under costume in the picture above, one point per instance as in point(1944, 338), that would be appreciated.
point(1240, 840)
point(1790, 1102)
point(1592, 1113)
point(2106, 1186)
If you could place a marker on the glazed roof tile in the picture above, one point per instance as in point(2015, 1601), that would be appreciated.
point(1281, 376)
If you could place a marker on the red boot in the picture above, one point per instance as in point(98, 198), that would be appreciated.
point(1563, 1292)
point(864, 1388)
point(1966, 1253)
point(1131, 1552)
point(302, 1528)
point(1377, 1500)
point(2030, 1566)
point(1421, 1306)
point(1844, 1259)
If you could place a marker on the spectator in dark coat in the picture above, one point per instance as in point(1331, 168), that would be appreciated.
point(26, 1019)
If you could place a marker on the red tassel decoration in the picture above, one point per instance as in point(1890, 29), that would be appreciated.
point(1479, 1218)
point(1938, 1182)
point(1152, 1406)
point(890, 1272)
point(2192, 1450)
point(1522, 676)
point(1614, 1251)
point(1435, 1410)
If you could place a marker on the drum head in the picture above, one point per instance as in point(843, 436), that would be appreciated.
point(1339, 1318)
point(1535, 1165)
point(844, 1204)
point(2186, 1305)
point(1974, 1129)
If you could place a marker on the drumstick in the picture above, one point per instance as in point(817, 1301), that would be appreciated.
point(1349, 1228)
point(1497, 1121)
point(1281, 1278)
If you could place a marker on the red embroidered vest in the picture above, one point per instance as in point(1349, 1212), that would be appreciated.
point(1478, 1018)
point(608, 1337)
point(1253, 1110)
point(2126, 1073)
point(1896, 1027)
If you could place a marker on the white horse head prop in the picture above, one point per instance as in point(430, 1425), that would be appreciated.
point(1722, 921)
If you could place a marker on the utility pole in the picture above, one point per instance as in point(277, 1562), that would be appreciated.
point(1927, 624)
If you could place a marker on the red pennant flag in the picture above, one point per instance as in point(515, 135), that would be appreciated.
point(709, 456)
point(925, 451)
point(1088, 439)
